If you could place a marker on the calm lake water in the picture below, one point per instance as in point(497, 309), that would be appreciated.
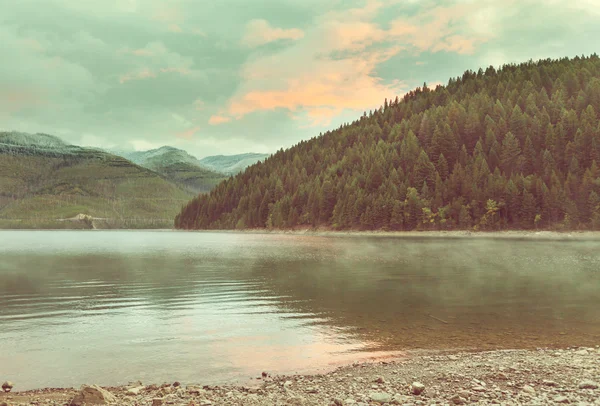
point(110, 307)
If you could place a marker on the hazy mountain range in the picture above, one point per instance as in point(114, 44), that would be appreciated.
point(44, 180)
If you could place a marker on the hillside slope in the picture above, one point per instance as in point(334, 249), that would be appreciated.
point(44, 181)
point(179, 167)
point(516, 148)
point(232, 164)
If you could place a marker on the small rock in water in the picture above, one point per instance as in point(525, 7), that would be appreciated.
point(549, 383)
point(561, 399)
point(7, 386)
point(157, 402)
point(380, 379)
point(92, 395)
point(380, 397)
point(588, 385)
point(264, 374)
point(417, 388)
point(176, 384)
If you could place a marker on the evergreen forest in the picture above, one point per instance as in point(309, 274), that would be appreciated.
point(513, 148)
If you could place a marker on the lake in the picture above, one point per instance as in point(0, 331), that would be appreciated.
point(109, 307)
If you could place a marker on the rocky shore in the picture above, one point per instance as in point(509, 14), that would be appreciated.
point(505, 377)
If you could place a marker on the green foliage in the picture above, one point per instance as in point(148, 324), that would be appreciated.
point(39, 187)
point(513, 148)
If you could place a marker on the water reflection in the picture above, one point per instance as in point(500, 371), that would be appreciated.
point(110, 307)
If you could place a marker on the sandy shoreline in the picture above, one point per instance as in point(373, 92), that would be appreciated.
point(511, 377)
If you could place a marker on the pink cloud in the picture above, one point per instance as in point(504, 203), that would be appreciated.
point(216, 120)
point(319, 85)
point(188, 134)
point(260, 32)
point(333, 68)
point(322, 116)
point(353, 36)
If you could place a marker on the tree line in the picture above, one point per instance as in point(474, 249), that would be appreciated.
point(513, 148)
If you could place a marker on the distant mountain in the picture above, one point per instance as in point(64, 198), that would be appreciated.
point(44, 180)
point(179, 167)
point(161, 157)
point(19, 141)
point(232, 164)
point(514, 148)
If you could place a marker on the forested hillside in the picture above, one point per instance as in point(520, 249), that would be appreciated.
point(517, 148)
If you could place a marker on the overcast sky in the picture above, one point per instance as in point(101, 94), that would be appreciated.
point(232, 76)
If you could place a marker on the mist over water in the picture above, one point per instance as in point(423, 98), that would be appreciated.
point(112, 307)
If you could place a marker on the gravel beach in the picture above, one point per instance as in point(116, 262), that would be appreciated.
point(505, 377)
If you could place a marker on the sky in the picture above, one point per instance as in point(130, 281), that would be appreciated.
point(235, 76)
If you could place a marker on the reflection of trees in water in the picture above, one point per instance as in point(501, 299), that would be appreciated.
point(498, 294)
point(408, 293)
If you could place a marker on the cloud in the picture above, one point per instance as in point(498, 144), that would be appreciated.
point(143, 145)
point(445, 28)
point(142, 74)
point(181, 71)
point(17, 99)
point(331, 69)
point(260, 32)
point(174, 28)
point(302, 66)
point(334, 67)
point(187, 134)
point(199, 105)
point(142, 52)
point(322, 116)
point(216, 120)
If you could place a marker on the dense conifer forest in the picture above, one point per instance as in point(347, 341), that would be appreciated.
point(515, 148)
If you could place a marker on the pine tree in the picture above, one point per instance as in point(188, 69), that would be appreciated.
point(510, 153)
